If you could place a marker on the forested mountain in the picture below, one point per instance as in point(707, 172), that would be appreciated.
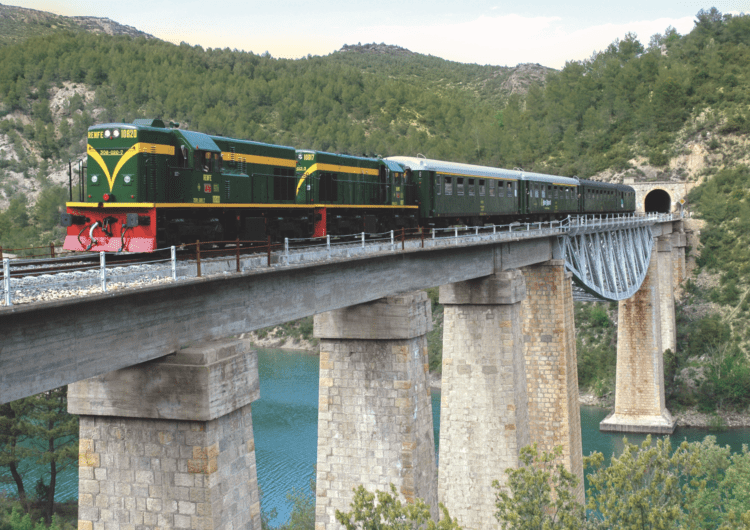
point(628, 107)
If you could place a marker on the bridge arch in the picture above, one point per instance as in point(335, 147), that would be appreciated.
point(658, 201)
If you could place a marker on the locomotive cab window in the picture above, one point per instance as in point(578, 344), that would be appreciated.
point(459, 186)
point(449, 185)
point(471, 187)
point(182, 156)
point(206, 161)
point(481, 188)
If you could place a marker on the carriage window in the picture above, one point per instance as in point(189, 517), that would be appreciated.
point(438, 185)
point(449, 185)
point(544, 196)
point(509, 191)
point(459, 186)
point(492, 188)
point(481, 188)
point(515, 189)
point(536, 192)
point(471, 187)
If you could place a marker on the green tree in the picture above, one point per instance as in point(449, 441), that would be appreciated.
point(54, 436)
point(303, 509)
point(12, 434)
point(49, 205)
point(643, 488)
point(39, 428)
point(540, 494)
point(383, 510)
point(722, 494)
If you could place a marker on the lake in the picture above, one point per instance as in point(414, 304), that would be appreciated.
point(285, 424)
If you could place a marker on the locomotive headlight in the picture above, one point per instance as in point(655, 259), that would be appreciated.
point(116, 134)
point(94, 179)
point(107, 133)
point(127, 179)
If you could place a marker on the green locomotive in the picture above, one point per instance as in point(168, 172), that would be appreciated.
point(148, 185)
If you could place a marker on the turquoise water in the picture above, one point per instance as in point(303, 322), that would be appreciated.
point(285, 421)
point(285, 424)
point(609, 444)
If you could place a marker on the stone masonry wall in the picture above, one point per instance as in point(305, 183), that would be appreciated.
point(551, 365)
point(374, 423)
point(679, 272)
point(666, 293)
point(160, 474)
point(639, 351)
point(484, 417)
point(639, 387)
point(375, 409)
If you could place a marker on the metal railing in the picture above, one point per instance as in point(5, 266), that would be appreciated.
point(23, 282)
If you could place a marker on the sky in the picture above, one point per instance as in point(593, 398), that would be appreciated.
point(496, 32)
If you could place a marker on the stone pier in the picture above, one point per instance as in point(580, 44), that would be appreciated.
point(483, 411)
point(551, 366)
point(375, 410)
point(666, 293)
point(679, 243)
point(168, 444)
point(639, 387)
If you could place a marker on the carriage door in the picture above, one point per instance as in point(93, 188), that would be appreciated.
point(400, 188)
point(408, 194)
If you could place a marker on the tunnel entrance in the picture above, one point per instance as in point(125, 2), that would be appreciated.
point(658, 201)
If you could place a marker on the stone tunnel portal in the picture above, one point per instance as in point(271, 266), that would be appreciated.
point(658, 201)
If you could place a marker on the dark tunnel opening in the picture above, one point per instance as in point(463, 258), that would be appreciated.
point(658, 201)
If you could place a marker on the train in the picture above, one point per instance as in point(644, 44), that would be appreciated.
point(149, 185)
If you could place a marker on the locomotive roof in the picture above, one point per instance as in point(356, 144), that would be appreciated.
point(326, 154)
point(253, 143)
point(393, 166)
point(422, 164)
point(198, 140)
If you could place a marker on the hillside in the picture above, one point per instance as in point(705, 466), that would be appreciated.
point(488, 83)
point(18, 24)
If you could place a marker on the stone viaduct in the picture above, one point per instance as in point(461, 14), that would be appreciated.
point(166, 438)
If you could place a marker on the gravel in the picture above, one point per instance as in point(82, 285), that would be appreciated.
point(85, 281)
